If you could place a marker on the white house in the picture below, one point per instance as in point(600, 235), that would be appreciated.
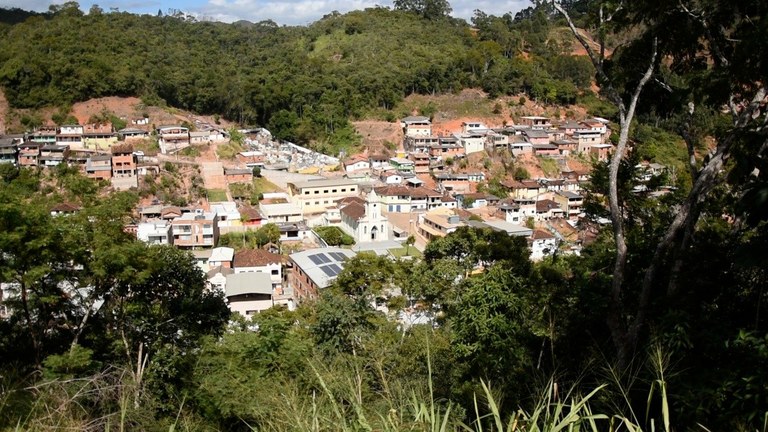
point(217, 278)
point(416, 126)
point(472, 142)
point(363, 219)
point(542, 244)
point(158, 232)
point(260, 261)
point(221, 257)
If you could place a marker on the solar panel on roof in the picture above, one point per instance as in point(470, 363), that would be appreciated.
point(324, 258)
point(328, 271)
point(335, 268)
point(315, 259)
point(338, 256)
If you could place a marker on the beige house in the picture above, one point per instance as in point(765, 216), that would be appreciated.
point(316, 196)
point(438, 223)
point(570, 202)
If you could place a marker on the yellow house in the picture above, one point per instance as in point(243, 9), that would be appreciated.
point(315, 196)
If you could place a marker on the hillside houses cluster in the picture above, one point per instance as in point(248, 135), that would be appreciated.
point(379, 201)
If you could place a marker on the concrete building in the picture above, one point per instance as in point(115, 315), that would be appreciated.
point(221, 257)
point(536, 122)
point(156, 232)
point(99, 167)
point(281, 212)
point(238, 175)
point(571, 202)
point(438, 223)
point(315, 196)
point(196, 229)
point(52, 155)
point(70, 135)
point(29, 154)
point(172, 138)
point(260, 261)
point(416, 126)
point(9, 151)
point(124, 167)
point(315, 269)
point(249, 293)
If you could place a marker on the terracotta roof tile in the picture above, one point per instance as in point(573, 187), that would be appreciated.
point(355, 210)
point(255, 258)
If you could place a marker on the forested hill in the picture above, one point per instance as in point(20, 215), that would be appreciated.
point(304, 83)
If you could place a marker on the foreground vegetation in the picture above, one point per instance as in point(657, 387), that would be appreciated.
point(107, 333)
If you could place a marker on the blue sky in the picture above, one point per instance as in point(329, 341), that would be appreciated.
point(290, 12)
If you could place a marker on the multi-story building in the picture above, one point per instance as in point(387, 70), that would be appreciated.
point(472, 141)
point(70, 135)
point(123, 167)
point(29, 154)
point(99, 167)
point(585, 138)
point(44, 135)
point(416, 126)
point(536, 122)
point(438, 223)
point(172, 138)
point(99, 135)
point(401, 164)
point(315, 196)
point(196, 229)
point(571, 203)
point(447, 147)
point(156, 232)
point(420, 143)
point(315, 269)
point(52, 155)
point(260, 261)
point(8, 151)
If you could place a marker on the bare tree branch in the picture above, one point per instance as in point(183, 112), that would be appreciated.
point(597, 61)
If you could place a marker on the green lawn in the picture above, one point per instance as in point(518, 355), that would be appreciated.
point(400, 252)
point(216, 195)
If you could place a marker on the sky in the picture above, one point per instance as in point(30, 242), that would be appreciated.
point(288, 12)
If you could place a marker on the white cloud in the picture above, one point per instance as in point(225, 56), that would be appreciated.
point(302, 12)
point(289, 12)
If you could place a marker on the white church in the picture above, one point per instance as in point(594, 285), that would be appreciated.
point(362, 218)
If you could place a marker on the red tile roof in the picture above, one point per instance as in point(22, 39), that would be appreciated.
point(355, 210)
point(255, 258)
point(541, 234)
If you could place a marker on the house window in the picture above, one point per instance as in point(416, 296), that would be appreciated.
point(334, 191)
point(275, 272)
point(317, 192)
point(343, 189)
point(325, 191)
point(306, 192)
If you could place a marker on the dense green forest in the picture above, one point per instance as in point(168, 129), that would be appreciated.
point(658, 325)
point(304, 83)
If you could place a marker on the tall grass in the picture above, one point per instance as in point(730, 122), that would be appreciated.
point(345, 401)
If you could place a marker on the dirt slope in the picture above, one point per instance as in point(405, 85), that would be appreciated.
point(3, 111)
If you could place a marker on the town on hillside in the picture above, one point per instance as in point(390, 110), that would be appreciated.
point(320, 211)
